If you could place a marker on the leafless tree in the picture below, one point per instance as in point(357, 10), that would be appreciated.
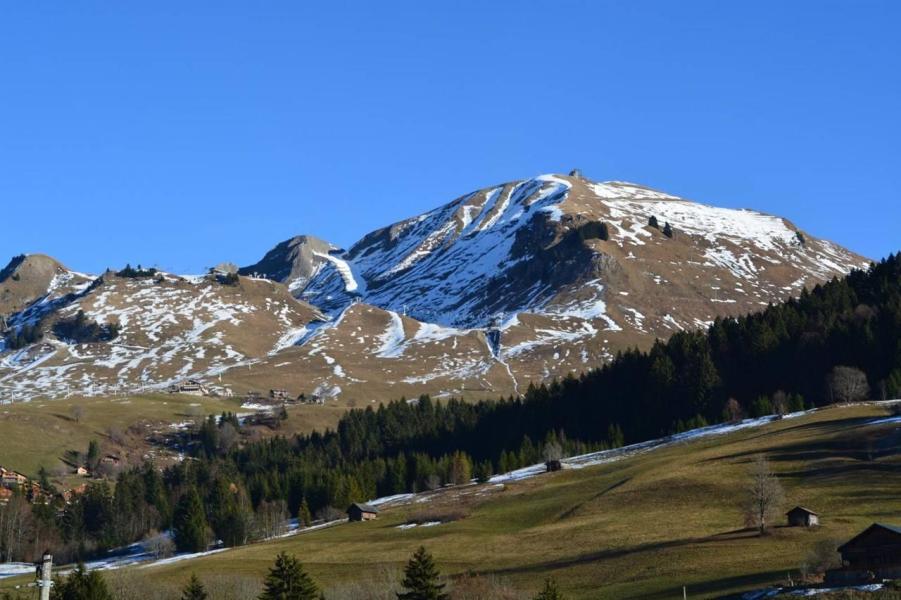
point(116, 435)
point(846, 384)
point(765, 497)
point(271, 518)
point(733, 411)
point(228, 437)
point(552, 451)
point(15, 526)
point(329, 513)
point(780, 402)
point(821, 558)
point(159, 545)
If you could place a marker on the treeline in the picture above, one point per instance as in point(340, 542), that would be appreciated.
point(138, 272)
point(20, 337)
point(81, 330)
point(840, 341)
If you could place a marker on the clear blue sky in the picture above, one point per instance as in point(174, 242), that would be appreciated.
point(186, 133)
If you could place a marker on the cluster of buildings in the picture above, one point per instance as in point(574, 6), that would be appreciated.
point(12, 481)
point(194, 387)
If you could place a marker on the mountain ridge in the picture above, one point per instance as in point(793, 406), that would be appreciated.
point(521, 281)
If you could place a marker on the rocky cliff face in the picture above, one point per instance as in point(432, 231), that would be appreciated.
point(292, 262)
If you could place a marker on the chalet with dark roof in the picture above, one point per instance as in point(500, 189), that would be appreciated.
point(872, 555)
point(362, 512)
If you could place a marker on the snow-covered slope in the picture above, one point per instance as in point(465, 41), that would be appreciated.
point(534, 279)
point(171, 328)
point(29, 278)
point(532, 246)
point(518, 282)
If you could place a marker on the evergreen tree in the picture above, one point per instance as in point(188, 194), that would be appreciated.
point(288, 581)
point(304, 514)
point(668, 230)
point(483, 471)
point(550, 591)
point(81, 584)
point(421, 578)
point(194, 590)
point(653, 222)
point(93, 456)
point(189, 523)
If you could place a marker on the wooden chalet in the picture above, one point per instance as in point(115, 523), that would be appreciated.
point(802, 517)
point(362, 512)
point(190, 387)
point(11, 479)
point(872, 555)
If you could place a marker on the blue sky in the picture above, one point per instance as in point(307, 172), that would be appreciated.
point(182, 134)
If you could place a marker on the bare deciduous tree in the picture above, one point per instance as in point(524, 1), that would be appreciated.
point(846, 384)
point(822, 558)
point(228, 437)
point(765, 497)
point(552, 451)
point(780, 402)
point(733, 411)
point(159, 545)
point(15, 524)
point(271, 518)
point(329, 513)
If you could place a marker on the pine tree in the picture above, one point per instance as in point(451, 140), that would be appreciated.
point(194, 590)
point(550, 591)
point(306, 517)
point(483, 471)
point(653, 222)
point(288, 581)
point(189, 523)
point(668, 230)
point(81, 584)
point(421, 578)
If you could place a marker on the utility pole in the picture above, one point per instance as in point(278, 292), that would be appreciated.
point(44, 575)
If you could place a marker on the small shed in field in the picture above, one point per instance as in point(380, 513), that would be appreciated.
point(362, 512)
point(802, 517)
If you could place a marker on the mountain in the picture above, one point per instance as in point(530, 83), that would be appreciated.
point(293, 262)
point(538, 278)
point(513, 283)
point(29, 278)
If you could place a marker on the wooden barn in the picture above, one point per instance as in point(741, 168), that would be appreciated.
point(872, 555)
point(362, 512)
point(802, 517)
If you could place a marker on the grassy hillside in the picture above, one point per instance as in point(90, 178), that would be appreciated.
point(38, 433)
point(639, 528)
